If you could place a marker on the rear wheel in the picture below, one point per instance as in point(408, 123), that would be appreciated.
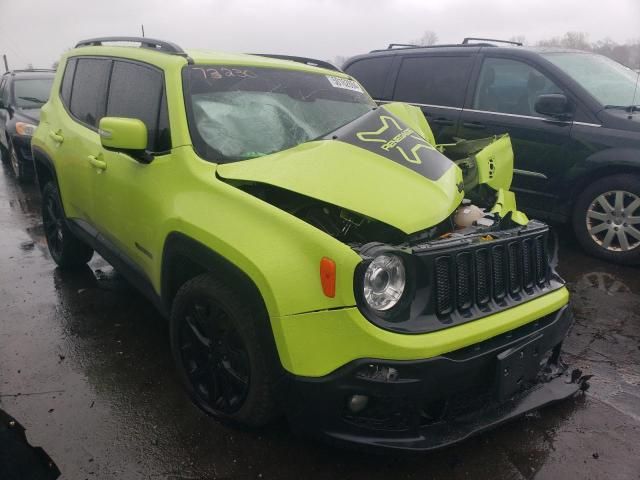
point(219, 355)
point(65, 248)
point(606, 219)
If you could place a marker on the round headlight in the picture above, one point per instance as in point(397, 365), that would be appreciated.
point(384, 282)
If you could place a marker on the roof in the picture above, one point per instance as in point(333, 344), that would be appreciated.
point(472, 48)
point(167, 54)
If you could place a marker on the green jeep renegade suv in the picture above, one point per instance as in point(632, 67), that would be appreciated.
point(317, 256)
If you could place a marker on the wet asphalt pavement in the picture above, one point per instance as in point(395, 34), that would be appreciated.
point(85, 367)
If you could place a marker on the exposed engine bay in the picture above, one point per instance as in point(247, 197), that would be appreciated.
point(485, 179)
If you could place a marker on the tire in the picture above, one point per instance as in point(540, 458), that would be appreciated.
point(606, 219)
point(18, 166)
point(220, 356)
point(66, 249)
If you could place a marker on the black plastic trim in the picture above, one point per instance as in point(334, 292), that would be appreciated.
point(318, 406)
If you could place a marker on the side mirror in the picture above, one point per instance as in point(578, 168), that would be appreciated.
point(553, 105)
point(127, 135)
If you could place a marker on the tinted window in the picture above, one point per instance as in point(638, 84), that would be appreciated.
point(89, 90)
point(137, 91)
point(510, 86)
point(65, 90)
point(433, 80)
point(372, 74)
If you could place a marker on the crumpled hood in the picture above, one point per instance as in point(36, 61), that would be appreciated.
point(377, 166)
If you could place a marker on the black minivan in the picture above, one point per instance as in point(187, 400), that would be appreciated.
point(22, 94)
point(573, 118)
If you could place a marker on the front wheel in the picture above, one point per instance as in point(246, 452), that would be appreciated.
point(221, 358)
point(65, 248)
point(606, 219)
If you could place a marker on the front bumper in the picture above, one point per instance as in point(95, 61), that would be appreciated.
point(432, 403)
point(22, 147)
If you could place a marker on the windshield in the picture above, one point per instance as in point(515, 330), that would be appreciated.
point(238, 112)
point(32, 92)
point(610, 82)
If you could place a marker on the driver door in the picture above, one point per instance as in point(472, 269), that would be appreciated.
point(503, 102)
point(125, 190)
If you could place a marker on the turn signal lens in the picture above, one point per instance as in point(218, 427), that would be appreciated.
point(328, 276)
point(25, 129)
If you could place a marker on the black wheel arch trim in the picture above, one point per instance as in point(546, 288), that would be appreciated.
point(179, 247)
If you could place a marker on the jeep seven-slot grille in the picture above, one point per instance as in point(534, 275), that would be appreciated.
point(474, 277)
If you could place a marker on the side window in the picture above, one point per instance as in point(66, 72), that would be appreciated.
point(137, 91)
point(3, 82)
point(5, 91)
point(89, 90)
point(372, 74)
point(67, 81)
point(510, 86)
point(434, 80)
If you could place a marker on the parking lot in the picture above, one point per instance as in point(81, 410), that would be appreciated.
point(85, 367)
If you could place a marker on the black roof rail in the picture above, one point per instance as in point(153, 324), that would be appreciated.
point(27, 70)
point(468, 40)
point(307, 61)
point(406, 46)
point(402, 45)
point(160, 45)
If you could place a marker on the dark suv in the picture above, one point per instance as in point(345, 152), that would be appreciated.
point(573, 118)
point(22, 94)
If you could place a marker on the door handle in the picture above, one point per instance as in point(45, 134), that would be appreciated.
point(56, 136)
point(96, 161)
point(474, 125)
point(442, 121)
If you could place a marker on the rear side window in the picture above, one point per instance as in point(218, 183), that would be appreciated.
point(89, 90)
point(433, 80)
point(137, 91)
point(372, 74)
point(67, 81)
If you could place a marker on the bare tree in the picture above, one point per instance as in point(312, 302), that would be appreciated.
point(429, 37)
point(518, 38)
point(577, 40)
point(627, 53)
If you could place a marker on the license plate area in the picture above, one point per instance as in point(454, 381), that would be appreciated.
point(517, 367)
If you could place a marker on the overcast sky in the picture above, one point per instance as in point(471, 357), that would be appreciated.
point(38, 32)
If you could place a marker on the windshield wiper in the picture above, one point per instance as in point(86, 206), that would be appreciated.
point(34, 100)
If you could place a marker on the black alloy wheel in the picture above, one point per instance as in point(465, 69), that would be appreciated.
point(214, 358)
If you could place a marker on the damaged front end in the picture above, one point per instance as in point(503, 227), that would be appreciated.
point(446, 255)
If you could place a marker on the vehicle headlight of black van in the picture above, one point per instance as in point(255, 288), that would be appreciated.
point(384, 283)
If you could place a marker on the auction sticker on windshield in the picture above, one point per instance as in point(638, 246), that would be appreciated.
point(346, 83)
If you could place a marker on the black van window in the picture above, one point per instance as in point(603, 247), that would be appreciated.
point(372, 74)
point(136, 91)
point(510, 86)
point(433, 80)
point(89, 90)
point(4, 86)
point(67, 81)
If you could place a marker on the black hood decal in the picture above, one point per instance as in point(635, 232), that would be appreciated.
point(383, 133)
